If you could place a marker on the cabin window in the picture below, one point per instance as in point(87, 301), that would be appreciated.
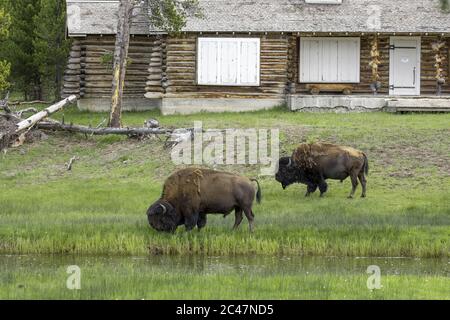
point(329, 60)
point(228, 61)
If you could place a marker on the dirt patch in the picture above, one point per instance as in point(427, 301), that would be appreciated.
point(407, 160)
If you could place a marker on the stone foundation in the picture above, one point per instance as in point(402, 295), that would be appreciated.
point(129, 104)
point(327, 103)
point(195, 105)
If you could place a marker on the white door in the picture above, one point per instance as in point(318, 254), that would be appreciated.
point(404, 76)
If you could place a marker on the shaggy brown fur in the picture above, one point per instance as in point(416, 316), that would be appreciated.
point(316, 162)
point(189, 194)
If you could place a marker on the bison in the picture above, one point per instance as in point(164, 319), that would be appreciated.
point(313, 163)
point(190, 194)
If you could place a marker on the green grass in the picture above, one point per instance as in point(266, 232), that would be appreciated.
point(99, 207)
point(220, 278)
point(94, 216)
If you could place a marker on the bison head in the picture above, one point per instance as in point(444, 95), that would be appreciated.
point(162, 216)
point(286, 174)
point(289, 173)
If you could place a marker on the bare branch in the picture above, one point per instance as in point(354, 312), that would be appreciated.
point(31, 121)
point(70, 163)
point(21, 112)
point(53, 125)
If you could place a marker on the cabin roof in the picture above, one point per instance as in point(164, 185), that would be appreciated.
point(417, 16)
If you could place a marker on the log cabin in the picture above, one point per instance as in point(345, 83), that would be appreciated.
point(243, 55)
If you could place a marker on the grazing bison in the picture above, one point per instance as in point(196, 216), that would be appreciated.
point(313, 163)
point(189, 194)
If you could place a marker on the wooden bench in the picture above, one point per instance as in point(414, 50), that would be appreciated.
point(329, 87)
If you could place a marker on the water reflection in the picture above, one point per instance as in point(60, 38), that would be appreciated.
point(288, 265)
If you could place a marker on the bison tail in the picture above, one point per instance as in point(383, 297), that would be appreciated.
point(366, 165)
point(258, 192)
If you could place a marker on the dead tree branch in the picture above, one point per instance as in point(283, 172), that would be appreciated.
point(57, 126)
point(21, 112)
point(31, 121)
point(4, 104)
point(70, 163)
point(19, 103)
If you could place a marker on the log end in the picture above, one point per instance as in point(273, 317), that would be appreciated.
point(72, 98)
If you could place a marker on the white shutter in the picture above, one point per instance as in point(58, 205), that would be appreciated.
point(310, 66)
point(249, 62)
point(208, 66)
point(228, 61)
point(348, 63)
point(329, 60)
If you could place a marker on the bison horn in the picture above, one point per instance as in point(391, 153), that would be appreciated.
point(289, 163)
point(164, 208)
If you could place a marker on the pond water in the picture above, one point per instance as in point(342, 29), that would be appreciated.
point(192, 277)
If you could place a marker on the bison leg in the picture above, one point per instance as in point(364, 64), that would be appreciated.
point(201, 222)
point(190, 221)
point(363, 181)
point(310, 188)
point(250, 217)
point(238, 218)
point(323, 187)
point(354, 178)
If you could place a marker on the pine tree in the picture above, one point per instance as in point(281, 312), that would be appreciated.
point(5, 22)
point(51, 47)
point(18, 48)
point(5, 66)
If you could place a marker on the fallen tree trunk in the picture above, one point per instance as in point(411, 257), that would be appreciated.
point(101, 131)
point(13, 130)
point(21, 112)
point(19, 103)
point(27, 123)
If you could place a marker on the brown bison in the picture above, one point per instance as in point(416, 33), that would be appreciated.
point(189, 194)
point(313, 163)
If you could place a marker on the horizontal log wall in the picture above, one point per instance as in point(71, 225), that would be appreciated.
point(179, 74)
point(89, 75)
point(72, 73)
point(157, 77)
point(166, 66)
point(428, 70)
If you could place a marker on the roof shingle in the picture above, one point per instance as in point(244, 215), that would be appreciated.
point(100, 16)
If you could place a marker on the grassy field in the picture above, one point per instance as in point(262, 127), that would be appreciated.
point(99, 207)
point(200, 277)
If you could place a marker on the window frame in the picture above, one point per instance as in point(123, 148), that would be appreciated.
point(230, 39)
point(358, 59)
